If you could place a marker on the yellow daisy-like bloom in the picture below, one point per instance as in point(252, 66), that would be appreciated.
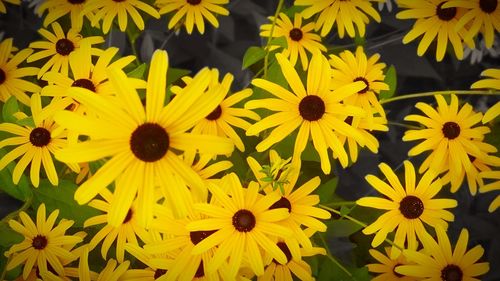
point(58, 48)
point(111, 272)
point(11, 82)
point(3, 9)
point(107, 10)
point(386, 267)
point(195, 12)
point(350, 67)
point(492, 82)
point(494, 185)
point(299, 38)
point(441, 263)
point(241, 225)
point(141, 141)
point(482, 16)
point(59, 8)
point(407, 207)
point(35, 144)
point(219, 122)
point(450, 134)
point(43, 245)
point(433, 20)
point(346, 14)
point(315, 110)
point(127, 231)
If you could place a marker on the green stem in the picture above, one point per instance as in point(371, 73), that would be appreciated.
point(428, 94)
point(342, 203)
point(403, 125)
point(331, 258)
point(266, 58)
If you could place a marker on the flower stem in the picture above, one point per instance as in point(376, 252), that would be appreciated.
point(428, 94)
point(331, 258)
point(403, 125)
point(341, 203)
point(266, 58)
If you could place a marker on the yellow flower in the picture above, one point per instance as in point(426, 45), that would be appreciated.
point(3, 9)
point(195, 12)
point(346, 14)
point(492, 113)
point(11, 82)
point(434, 20)
point(483, 16)
point(387, 266)
point(493, 185)
point(142, 142)
point(59, 8)
point(315, 109)
point(299, 38)
point(240, 225)
point(492, 82)
point(35, 144)
point(441, 263)
point(107, 10)
point(451, 135)
point(58, 48)
point(407, 207)
point(110, 272)
point(202, 165)
point(43, 245)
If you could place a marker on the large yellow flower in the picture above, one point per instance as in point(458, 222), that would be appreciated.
point(435, 21)
point(407, 207)
point(314, 109)
point(59, 8)
point(438, 262)
point(195, 12)
point(452, 137)
point(299, 37)
point(43, 245)
point(3, 9)
point(345, 13)
point(385, 267)
point(35, 144)
point(142, 142)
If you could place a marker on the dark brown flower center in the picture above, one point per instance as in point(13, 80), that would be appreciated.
point(39, 242)
point(198, 236)
point(451, 130)
point(215, 114)
point(194, 2)
point(200, 272)
point(40, 137)
point(451, 273)
point(64, 47)
point(149, 142)
point(84, 83)
point(128, 217)
point(244, 220)
point(284, 248)
point(3, 77)
point(76, 1)
point(446, 14)
point(296, 34)
point(411, 207)
point(282, 203)
point(159, 273)
point(488, 6)
point(312, 108)
point(367, 85)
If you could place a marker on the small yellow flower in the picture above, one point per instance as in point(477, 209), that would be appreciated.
point(387, 265)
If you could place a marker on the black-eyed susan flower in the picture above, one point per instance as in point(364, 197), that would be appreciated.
point(3, 9)
point(240, 226)
point(299, 37)
point(141, 141)
point(126, 232)
point(193, 12)
point(494, 184)
point(11, 82)
point(44, 243)
point(350, 67)
point(450, 134)
point(348, 15)
point(491, 82)
point(314, 108)
point(59, 8)
point(439, 262)
point(385, 269)
point(58, 46)
point(408, 206)
point(35, 144)
point(433, 21)
point(107, 10)
point(227, 114)
point(113, 270)
point(481, 16)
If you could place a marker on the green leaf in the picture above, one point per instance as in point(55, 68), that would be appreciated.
point(22, 190)
point(174, 74)
point(344, 210)
point(61, 197)
point(26, 122)
point(327, 189)
point(138, 72)
point(252, 56)
point(9, 108)
point(342, 228)
point(8, 237)
point(391, 80)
